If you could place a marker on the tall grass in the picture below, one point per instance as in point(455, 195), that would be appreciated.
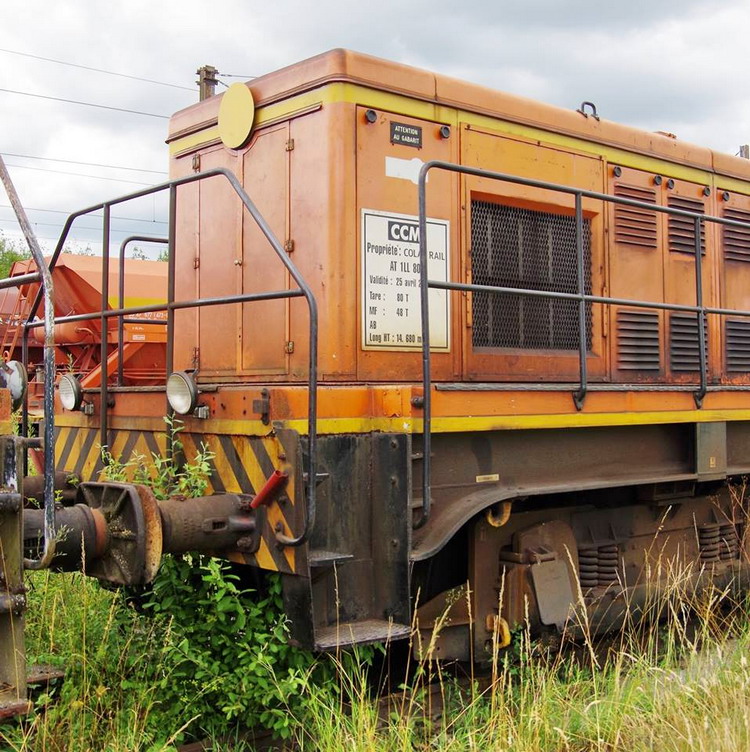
point(110, 656)
point(681, 682)
point(676, 677)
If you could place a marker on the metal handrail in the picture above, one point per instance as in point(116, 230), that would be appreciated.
point(121, 292)
point(580, 296)
point(171, 306)
point(45, 290)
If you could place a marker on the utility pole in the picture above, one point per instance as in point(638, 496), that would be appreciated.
point(207, 81)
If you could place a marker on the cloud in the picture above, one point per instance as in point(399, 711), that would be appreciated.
point(647, 63)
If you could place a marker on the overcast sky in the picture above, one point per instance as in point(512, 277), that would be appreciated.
point(654, 64)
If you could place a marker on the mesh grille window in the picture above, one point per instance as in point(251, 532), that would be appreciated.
point(736, 239)
point(512, 247)
point(633, 225)
point(682, 229)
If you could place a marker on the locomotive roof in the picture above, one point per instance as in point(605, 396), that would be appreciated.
point(341, 65)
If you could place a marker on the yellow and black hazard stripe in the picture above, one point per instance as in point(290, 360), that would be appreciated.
point(237, 464)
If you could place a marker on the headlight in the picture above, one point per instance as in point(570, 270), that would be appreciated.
point(182, 392)
point(16, 380)
point(70, 392)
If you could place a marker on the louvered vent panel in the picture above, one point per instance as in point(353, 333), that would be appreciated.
point(738, 345)
point(682, 229)
point(684, 347)
point(637, 340)
point(737, 239)
point(512, 247)
point(633, 225)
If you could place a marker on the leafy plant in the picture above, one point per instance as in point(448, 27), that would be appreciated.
point(167, 476)
point(228, 662)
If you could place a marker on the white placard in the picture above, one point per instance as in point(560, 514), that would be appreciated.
point(391, 312)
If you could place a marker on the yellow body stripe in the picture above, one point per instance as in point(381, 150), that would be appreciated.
point(441, 424)
point(516, 422)
point(358, 94)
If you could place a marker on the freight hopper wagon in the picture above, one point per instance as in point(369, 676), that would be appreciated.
point(432, 335)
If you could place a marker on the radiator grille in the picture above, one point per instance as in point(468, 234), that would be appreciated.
point(684, 347)
point(736, 239)
point(637, 340)
point(682, 229)
point(738, 345)
point(633, 225)
point(512, 247)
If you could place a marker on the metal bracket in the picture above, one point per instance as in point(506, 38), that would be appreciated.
point(263, 406)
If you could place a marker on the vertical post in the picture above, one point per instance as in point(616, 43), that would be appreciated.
point(12, 590)
point(104, 351)
point(121, 318)
point(701, 393)
point(426, 369)
point(25, 406)
point(49, 371)
point(580, 395)
point(207, 81)
point(170, 298)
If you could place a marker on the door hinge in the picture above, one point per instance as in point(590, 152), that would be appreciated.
point(196, 262)
point(290, 145)
point(196, 162)
point(289, 245)
point(196, 357)
point(289, 347)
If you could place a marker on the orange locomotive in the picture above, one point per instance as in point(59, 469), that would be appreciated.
point(435, 334)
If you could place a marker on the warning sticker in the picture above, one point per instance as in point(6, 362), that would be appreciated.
point(391, 300)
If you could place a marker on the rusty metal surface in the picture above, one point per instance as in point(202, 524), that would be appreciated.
point(42, 673)
point(12, 587)
point(530, 463)
point(605, 551)
point(359, 633)
point(209, 523)
point(12, 708)
point(360, 546)
point(81, 536)
point(152, 521)
point(124, 562)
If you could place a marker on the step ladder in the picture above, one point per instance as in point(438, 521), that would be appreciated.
point(12, 323)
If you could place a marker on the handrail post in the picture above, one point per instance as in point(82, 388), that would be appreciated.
point(701, 318)
point(121, 296)
point(426, 367)
point(169, 366)
point(580, 395)
point(104, 344)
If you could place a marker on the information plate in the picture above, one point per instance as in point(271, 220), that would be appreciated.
point(391, 312)
point(407, 135)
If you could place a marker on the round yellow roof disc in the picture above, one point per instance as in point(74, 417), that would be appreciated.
point(236, 115)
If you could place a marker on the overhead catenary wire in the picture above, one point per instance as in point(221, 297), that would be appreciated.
point(65, 211)
point(87, 164)
point(77, 226)
point(234, 75)
point(97, 70)
point(85, 104)
point(78, 174)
